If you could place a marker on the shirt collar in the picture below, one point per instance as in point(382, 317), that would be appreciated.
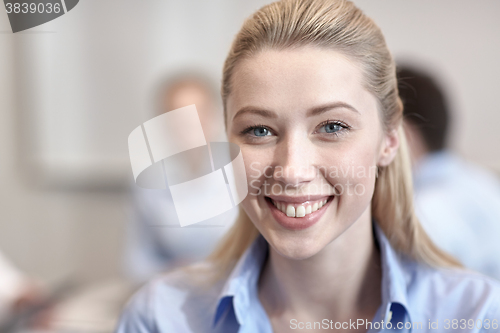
point(244, 277)
point(242, 281)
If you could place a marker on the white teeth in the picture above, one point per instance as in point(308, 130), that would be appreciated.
point(301, 211)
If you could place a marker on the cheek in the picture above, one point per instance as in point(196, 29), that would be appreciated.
point(257, 167)
point(352, 173)
point(257, 162)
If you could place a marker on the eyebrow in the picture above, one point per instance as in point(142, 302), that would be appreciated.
point(327, 107)
point(255, 110)
point(312, 112)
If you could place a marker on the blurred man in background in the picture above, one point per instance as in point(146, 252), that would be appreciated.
point(458, 203)
point(156, 241)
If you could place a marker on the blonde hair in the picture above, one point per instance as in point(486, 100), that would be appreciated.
point(338, 25)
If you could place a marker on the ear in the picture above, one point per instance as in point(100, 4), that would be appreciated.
point(389, 148)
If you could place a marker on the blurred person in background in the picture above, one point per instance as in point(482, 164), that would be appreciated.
point(154, 242)
point(457, 202)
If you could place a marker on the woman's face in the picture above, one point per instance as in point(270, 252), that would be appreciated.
point(311, 138)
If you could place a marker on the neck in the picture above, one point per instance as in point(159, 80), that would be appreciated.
point(340, 282)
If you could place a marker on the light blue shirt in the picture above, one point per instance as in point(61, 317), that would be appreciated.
point(458, 205)
point(413, 294)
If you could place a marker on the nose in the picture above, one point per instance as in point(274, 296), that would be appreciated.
point(294, 161)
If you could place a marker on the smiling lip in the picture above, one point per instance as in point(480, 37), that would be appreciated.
point(297, 223)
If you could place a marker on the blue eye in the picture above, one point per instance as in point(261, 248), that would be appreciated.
point(331, 127)
point(256, 131)
point(261, 131)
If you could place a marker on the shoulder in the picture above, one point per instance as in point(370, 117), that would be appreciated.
point(452, 293)
point(180, 300)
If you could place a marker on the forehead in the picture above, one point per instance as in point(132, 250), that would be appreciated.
point(297, 79)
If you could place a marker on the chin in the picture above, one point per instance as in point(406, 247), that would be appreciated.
point(296, 249)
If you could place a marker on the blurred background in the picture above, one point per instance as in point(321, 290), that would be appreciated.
point(73, 89)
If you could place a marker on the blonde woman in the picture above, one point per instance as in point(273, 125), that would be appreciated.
point(327, 237)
